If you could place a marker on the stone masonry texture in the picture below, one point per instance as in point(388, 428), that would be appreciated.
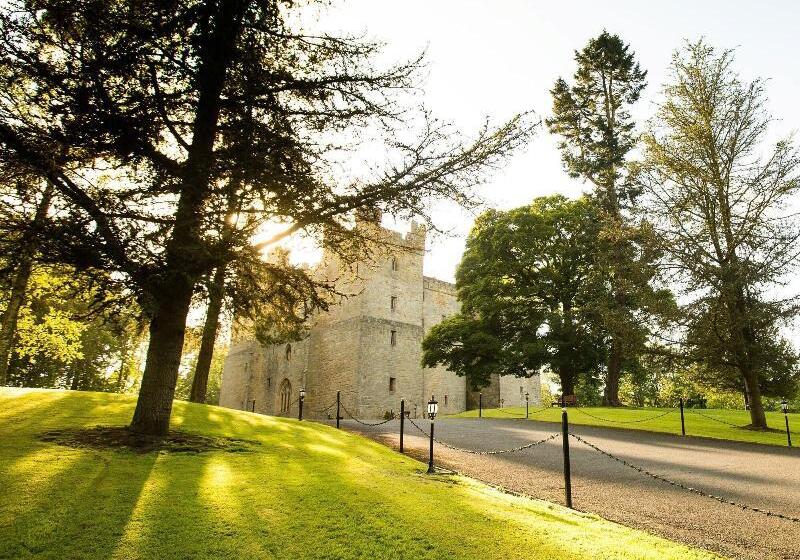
point(368, 347)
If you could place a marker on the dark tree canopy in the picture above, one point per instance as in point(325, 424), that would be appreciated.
point(592, 117)
point(528, 287)
point(149, 118)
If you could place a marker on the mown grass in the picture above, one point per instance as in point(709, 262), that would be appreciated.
point(304, 490)
point(713, 423)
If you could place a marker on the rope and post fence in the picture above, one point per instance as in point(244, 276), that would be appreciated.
point(565, 434)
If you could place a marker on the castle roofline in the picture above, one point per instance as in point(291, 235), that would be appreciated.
point(431, 283)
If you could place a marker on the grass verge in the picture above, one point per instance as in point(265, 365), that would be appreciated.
point(302, 490)
point(712, 423)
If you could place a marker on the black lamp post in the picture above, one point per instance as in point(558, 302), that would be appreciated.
point(785, 410)
point(302, 398)
point(527, 400)
point(433, 409)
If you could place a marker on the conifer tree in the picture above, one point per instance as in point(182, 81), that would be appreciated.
point(597, 132)
point(719, 194)
point(145, 115)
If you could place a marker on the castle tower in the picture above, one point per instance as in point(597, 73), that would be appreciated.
point(368, 346)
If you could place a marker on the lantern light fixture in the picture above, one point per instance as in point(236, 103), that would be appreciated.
point(433, 407)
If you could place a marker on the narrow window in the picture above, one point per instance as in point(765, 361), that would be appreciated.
point(520, 390)
point(269, 382)
point(393, 338)
point(288, 352)
point(392, 384)
point(393, 303)
point(445, 400)
point(394, 263)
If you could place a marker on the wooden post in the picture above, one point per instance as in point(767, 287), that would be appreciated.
point(338, 404)
point(402, 421)
point(567, 473)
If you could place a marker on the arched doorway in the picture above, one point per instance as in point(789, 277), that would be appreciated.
point(286, 395)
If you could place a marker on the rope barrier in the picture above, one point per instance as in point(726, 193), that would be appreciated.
point(684, 486)
point(500, 410)
point(623, 421)
point(326, 409)
point(350, 414)
point(285, 413)
point(693, 411)
point(492, 452)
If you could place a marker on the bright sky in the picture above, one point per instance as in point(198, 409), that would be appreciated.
point(498, 58)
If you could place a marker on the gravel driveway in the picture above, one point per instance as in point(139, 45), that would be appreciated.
point(757, 475)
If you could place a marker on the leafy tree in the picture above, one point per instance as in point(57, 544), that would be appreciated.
point(528, 287)
point(64, 339)
point(710, 346)
point(21, 252)
point(718, 195)
point(592, 117)
point(148, 118)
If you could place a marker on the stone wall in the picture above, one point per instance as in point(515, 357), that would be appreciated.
point(513, 389)
point(368, 346)
point(450, 390)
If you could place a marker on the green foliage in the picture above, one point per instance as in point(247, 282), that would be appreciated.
point(710, 345)
point(528, 290)
point(66, 338)
point(719, 195)
point(593, 118)
point(305, 491)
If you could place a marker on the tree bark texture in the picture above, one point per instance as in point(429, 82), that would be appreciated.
point(173, 293)
point(203, 367)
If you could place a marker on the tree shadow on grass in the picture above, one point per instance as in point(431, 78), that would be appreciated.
point(78, 512)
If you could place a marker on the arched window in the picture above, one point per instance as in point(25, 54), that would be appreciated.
point(286, 395)
point(288, 352)
point(394, 263)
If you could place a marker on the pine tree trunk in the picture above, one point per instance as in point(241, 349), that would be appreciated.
point(173, 294)
point(11, 314)
point(744, 341)
point(203, 367)
point(167, 331)
point(758, 419)
point(122, 376)
point(19, 286)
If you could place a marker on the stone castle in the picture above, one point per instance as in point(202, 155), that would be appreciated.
point(368, 346)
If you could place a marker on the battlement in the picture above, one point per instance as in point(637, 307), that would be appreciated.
point(414, 239)
point(436, 285)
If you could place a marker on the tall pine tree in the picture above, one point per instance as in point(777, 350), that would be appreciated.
point(592, 116)
point(145, 115)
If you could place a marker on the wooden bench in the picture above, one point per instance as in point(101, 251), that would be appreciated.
point(565, 400)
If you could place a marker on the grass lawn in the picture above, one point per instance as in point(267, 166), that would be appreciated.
point(706, 423)
point(305, 491)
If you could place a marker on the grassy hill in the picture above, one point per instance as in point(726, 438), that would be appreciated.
point(303, 490)
point(713, 423)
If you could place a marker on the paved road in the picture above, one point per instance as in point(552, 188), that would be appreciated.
point(757, 475)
